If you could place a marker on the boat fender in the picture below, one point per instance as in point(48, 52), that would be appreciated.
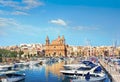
point(75, 72)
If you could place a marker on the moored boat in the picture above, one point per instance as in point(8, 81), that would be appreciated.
point(74, 66)
point(86, 64)
point(5, 67)
point(11, 76)
point(88, 73)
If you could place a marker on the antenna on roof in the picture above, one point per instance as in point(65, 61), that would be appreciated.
point(115, 44)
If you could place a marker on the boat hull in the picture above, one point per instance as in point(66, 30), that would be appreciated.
point(15, 79)
point(92, 79)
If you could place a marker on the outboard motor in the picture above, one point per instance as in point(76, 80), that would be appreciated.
point(87, 77)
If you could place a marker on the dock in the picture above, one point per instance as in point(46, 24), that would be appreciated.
point(111, 70)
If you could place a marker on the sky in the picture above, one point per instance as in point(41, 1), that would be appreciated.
point(82, 22)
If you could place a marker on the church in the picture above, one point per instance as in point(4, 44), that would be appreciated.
point(57, 48)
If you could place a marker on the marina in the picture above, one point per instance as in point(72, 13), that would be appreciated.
point(59, 40)
point(51, 72)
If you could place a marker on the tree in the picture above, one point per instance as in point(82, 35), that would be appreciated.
point(13, 54)
point(0, 57)
point(8, 53)
point(20, 53)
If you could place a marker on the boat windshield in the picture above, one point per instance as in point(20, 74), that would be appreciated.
point(84, 68)
point(86, 62)
point(89, 63)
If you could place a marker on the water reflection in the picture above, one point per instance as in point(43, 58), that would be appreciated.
point(54, 69)
point(47, 73)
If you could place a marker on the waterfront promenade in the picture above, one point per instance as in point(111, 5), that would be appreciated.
point(112, 71)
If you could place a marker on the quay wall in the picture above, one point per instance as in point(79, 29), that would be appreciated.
point(111, 71)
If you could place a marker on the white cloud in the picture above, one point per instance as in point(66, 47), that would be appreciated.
point(10, 25)
point(31, 4)
point(3, 12)
point(18, 8)
point(3, 33)
point(8, 3)
point(19, 13)
point(7, 22)
point(59, 22)
point(85, 28)
point(23, 5)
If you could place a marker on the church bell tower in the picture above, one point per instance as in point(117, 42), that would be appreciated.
point(47, 40)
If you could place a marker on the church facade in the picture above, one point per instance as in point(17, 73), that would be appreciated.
point(56, 48)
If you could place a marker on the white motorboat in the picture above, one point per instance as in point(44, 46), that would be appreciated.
point(94, 74)
point(74, 66)
point(82, 71)
point(26, 64)
point(5, 67)
point(33, 62)
point(11, 76)
point(42, 60)
point(86, 64)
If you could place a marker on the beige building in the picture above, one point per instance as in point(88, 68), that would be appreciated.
point(56, 48)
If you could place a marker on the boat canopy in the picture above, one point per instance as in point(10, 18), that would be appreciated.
point(98, 69)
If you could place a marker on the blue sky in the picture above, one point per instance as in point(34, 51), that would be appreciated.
point(80, 21)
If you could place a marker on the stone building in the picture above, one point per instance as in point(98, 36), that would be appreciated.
point(56, 48)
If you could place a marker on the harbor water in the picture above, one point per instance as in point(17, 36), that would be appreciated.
point(48, 73)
